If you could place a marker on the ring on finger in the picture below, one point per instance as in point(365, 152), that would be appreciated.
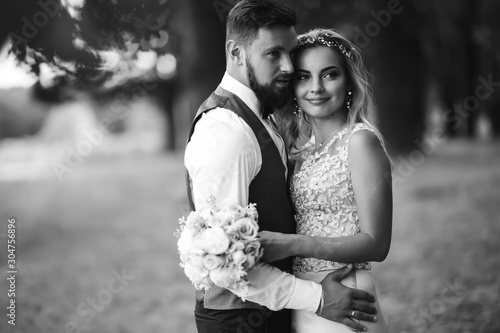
point(352, 313)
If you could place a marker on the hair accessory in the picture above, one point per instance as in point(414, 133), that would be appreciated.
point(349, 99)
point(325, 39)
point(296, 109)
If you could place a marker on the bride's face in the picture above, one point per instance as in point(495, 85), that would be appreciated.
point(319, 82)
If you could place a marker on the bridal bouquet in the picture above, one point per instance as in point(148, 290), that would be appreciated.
point(218, 245)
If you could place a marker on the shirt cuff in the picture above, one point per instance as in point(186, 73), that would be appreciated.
point(306, 296)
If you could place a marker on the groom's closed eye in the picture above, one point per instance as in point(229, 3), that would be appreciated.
point(274, 54)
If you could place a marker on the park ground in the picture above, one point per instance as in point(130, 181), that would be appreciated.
point(96, 252)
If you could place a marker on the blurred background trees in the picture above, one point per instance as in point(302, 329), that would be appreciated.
point(124, 77)
point(434, 63)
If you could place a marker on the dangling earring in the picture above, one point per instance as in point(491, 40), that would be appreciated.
point(349, 99)
point(296, 109)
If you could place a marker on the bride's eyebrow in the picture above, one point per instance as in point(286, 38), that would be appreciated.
point(329, 68)
point(321, 71)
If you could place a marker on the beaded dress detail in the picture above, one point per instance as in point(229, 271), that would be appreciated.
point(323, 196)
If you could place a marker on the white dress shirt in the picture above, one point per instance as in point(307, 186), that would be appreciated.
point(222, 158)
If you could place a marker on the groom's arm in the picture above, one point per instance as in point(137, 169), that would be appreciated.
point(222, 160)
point(279, 290)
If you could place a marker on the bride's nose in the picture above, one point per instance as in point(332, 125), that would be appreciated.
point(317, 86)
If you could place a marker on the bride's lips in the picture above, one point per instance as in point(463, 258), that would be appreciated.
point(317, 101)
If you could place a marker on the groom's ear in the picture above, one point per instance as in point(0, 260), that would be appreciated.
point(235, 52)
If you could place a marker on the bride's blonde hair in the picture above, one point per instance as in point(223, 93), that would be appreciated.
point(295, 129)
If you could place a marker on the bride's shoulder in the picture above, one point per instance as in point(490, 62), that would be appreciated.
point(366, 145)
point(362, 134)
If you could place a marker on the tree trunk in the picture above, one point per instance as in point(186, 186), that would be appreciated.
point(201, 28)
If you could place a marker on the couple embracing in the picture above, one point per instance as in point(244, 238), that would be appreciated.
point(315, 168)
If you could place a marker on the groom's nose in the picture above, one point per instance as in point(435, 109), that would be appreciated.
point(286, 65)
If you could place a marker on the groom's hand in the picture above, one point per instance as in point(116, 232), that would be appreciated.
point(341, 301)
point(276, 245)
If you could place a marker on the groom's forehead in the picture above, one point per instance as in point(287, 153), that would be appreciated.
point(276, 37)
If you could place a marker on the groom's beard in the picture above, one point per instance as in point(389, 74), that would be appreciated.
point(270, 96)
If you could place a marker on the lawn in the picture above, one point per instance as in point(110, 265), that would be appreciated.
point(96, 253)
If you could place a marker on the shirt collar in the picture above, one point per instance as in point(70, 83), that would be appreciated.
point(246, 94)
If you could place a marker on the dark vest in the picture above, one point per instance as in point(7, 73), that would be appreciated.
point(268, 190)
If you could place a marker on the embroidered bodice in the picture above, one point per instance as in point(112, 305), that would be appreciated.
point(322, 193)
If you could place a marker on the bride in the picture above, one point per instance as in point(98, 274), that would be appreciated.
point(341, 185)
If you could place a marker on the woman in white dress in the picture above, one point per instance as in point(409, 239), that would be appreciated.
point(341, 186)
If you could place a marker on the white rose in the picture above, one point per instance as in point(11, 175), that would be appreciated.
point(214, 218)
point(247, 228)
point(253, 249)
point(196, 260)
point(214, 241)
point(195, 222)
point(222, 277)
point(221, 219)
point(253, 252)
point(239, 258)
point(212, 261)
point(196, 246)
point(184, 257)
point(195, 274)
point(238, 245)
point(250, 261)
point(236, 211)
point(191, 218)
point(206, 215)
point(186, 240)
point(199, 225)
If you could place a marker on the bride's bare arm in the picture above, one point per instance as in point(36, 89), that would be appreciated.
point(372, 186)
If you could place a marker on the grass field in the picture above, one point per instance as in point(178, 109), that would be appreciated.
point(115, 216)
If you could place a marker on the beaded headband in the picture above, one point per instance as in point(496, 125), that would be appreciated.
point(324, 39)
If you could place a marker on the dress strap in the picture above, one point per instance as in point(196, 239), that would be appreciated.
point(358, 127)
point(361, 126)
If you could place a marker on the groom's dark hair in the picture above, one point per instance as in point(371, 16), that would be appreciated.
point(248, 16)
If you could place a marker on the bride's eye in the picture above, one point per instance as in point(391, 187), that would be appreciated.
point(301, 77)
point(331, 75)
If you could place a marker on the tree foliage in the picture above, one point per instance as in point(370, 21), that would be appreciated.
point(76, 41)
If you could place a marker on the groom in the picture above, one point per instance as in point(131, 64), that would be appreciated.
point(235, 154)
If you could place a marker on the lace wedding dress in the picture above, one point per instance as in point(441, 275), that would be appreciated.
point(322, 193)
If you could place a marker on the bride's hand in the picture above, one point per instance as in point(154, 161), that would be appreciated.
point(276, 245)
